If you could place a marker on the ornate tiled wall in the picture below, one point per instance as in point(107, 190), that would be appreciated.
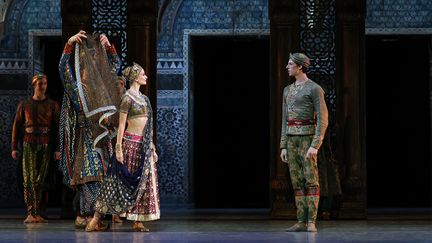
point(171, 134)
point(25, 21)
point(317, 40)
point(180, 20)
point(22, 16)
point(10, 195)
point(110, 17)
point(202, 14)
point(399, 17)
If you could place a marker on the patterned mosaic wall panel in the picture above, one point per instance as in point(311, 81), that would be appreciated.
point(110, 17)
point(16, 49)
point(9, 196)
point(317, 35)
point(23, 16)
point(171, 134)
point(203, 14)
point(226, 17)
point(399, 14)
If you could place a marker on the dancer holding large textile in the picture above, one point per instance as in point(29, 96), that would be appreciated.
point(88, 71)
point(130, 186)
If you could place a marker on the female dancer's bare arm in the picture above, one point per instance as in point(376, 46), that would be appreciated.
point(120, 131)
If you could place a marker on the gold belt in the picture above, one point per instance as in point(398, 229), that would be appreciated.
point(40, 130)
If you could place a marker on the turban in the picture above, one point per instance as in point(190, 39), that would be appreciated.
point(37, 77)
point(300, 59)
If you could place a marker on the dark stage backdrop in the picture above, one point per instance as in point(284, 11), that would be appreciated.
point(53, 49)
point(230, 91)
point(58, 194)
point(398, 121)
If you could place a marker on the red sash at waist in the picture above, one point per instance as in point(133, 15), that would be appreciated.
point(297, 122)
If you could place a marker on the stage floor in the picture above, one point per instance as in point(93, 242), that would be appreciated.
point(222, 226)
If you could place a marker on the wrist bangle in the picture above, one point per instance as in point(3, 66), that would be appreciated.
point(118, 148)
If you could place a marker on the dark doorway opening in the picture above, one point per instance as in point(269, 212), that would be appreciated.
point(398, 121)
point(57, 195)
point(52, 49)
point(230, 90)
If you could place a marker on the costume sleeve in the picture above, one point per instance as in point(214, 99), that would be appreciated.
point(113, 58)
point(18, 126)
point(283, 139)
point(321, 116)
point(55, 126)
point(66, 75)
point(125, 104)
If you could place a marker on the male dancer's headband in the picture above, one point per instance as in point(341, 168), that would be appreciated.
point(300, 59)
point(37, 77)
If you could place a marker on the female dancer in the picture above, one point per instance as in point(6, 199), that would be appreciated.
point(130, 186)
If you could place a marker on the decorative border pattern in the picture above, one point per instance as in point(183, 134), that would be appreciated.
point(13, 92)
point(161, 94)
point(13, 66)
point(169, 98)
point(398, 31)
point(398, 14)
point(170, 66)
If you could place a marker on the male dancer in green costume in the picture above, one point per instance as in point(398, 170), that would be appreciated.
point(304, 122)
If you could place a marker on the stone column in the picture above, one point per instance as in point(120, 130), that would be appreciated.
point(142, 40)
point(351, 150)
point(284, 38)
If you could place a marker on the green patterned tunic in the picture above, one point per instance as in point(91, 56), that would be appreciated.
point(304, 112)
